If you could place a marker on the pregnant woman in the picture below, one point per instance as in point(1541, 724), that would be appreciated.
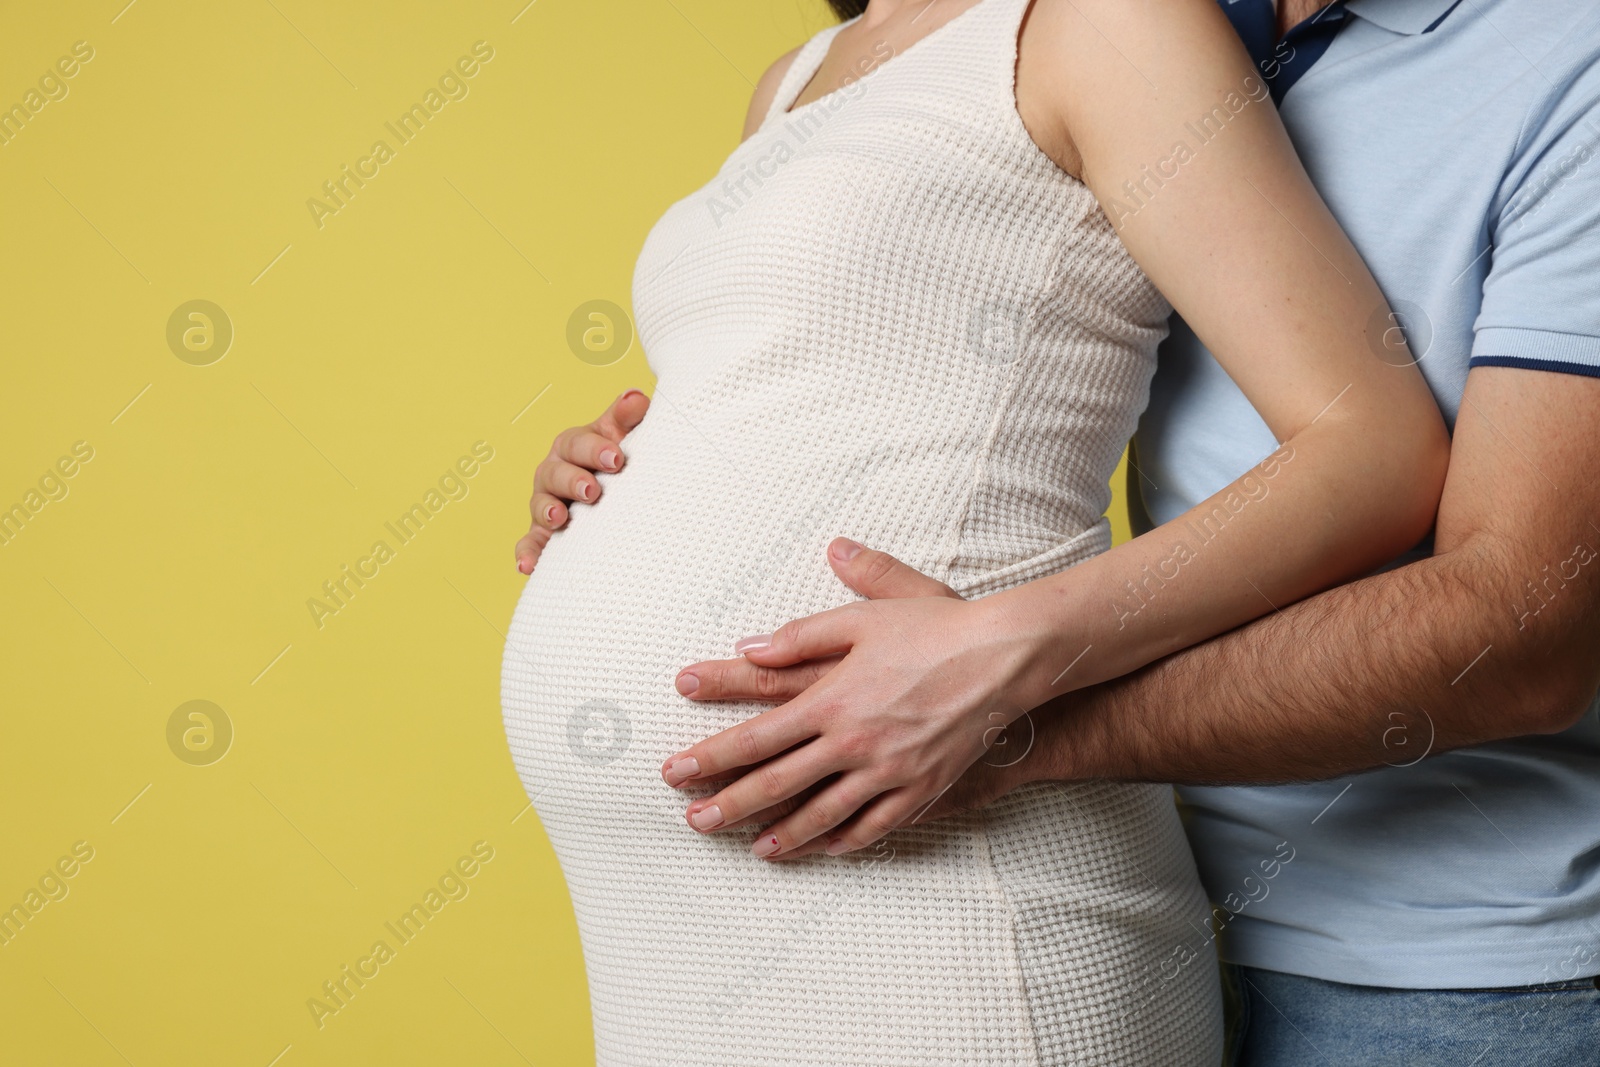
point(918, 307)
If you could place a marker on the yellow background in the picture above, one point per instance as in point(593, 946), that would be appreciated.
point(369, 354)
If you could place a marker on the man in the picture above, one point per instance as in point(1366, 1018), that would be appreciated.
point(1426, 889)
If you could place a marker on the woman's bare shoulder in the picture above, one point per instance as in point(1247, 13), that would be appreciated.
point(1085, 68)
point(767, 91)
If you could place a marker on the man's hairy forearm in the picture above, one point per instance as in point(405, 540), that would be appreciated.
point(1440, 654)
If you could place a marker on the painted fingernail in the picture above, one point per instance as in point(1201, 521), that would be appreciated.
point(586, 491)
point(707, 818)
point(626, 393)
point(687, 767)
point(687, 684)
point(550, 514)
point(844, 550)
point(837, 846)
point(753, 644)
point(609, 459)
point(524, 566)
point(766, 846)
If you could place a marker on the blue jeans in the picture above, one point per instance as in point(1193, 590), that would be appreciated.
point(1284, 1020)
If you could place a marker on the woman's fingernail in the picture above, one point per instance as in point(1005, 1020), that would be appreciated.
point(766, 846)
point(844, 550)
point(586, 491)
point(687, 767)
point(753, 644)
point(609, 459)
point(707, 818)
point(524, 566)
point(837, 846)
point(550, 514)
point(687, 684)
point(626, 393)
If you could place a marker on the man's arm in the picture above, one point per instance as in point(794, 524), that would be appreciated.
point(1496, 635)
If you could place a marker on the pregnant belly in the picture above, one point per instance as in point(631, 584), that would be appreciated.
point(686, 552)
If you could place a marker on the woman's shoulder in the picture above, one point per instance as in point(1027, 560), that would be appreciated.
point(1090, 69)
point(767, 90)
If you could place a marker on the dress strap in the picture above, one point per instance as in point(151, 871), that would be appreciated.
point(802, 70)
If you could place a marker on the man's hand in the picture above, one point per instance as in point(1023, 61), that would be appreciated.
point(565, 474)
point(904, 762)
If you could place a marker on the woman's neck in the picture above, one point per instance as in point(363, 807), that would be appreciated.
point(880, 11)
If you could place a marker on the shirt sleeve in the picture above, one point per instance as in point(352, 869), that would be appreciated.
point(1541, 298)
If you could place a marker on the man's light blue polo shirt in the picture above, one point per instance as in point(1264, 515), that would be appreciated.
point(1458, 142)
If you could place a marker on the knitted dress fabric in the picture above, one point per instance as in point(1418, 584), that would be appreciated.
point(889, 317)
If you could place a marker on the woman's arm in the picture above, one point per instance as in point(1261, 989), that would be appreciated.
point(1234, 234)
point(766, 92)
point(1230, 228)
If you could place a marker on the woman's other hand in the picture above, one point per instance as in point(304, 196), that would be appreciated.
point(567, 473)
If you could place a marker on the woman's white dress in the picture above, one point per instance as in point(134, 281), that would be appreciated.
point(889, 317)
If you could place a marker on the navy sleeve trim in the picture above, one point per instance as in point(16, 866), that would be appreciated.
point(1585, 369)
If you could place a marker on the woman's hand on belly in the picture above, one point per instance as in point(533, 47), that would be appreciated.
point(874, 744)
point(565, 474)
